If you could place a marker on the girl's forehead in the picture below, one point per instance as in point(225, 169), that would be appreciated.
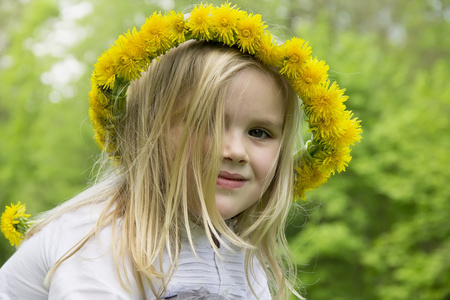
point(254, 93)
point(256, 80)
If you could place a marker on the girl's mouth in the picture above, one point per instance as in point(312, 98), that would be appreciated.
point(230, 181)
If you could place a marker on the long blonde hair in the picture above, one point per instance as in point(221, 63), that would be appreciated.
point(148, 192)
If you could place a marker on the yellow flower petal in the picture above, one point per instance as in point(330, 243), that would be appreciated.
point(331, 160)
point(14, 223)
point(250, 30)
point(225, 20)
point(327, 128)
point(269, 52)
point(296, 53)
point(178, 26)
point(139, 47)
point(328, 101)
point(200, 22)
point(351, 133)
point(104, 72)
point(307, 177)
point(157, 33)
point(311, 77)
point(127, 64)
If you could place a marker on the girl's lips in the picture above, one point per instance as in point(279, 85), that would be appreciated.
point(230, 181)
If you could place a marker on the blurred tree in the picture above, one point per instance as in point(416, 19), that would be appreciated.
point(383, 229)
point(21, 97)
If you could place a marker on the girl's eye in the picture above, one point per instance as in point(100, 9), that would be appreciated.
point(259, 134)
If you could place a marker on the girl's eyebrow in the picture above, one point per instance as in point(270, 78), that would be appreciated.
point(270, 123)
point(264, 122)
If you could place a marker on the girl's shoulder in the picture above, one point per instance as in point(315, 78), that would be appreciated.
point(78, 218)
point(62, 232)
point(23, 275)
point(92, 268)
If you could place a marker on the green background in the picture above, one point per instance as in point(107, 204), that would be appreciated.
point(381, 230)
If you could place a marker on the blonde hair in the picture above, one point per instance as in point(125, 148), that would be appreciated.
point(148, 192)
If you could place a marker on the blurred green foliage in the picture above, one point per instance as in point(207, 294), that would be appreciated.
point(381, 230)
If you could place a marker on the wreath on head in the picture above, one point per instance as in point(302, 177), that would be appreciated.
point(333, 127)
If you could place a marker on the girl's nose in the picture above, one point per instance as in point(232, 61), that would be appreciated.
point(233, 148)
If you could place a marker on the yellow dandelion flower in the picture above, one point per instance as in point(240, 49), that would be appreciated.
point(296, 53)
point(127, 66)
point(104, 130)
point(178, 26)
point(311, 77)
point(97, 117)
point(327, 101)
point(93, 116)
point(99, 114)
point(96, 120)
point(99, 130)
point(351, 133)
point(269, 52)
point(157, 33)
point(104, 72)
point(14, 223)
point(225, 20)
point(98, 95)
point(102, 113)
point(307, 177)
point(327, 128)
point(250, 32)
point(138, 46)
point(199, 22)
point(331, 160)
point(96, 110)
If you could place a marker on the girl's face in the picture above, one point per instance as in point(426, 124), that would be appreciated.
point(254, 114)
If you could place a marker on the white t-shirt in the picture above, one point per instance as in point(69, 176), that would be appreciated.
point(92, 274)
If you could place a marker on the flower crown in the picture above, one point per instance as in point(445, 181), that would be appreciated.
point(333, 127)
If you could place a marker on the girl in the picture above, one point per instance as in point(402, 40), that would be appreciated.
point(198, 180)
